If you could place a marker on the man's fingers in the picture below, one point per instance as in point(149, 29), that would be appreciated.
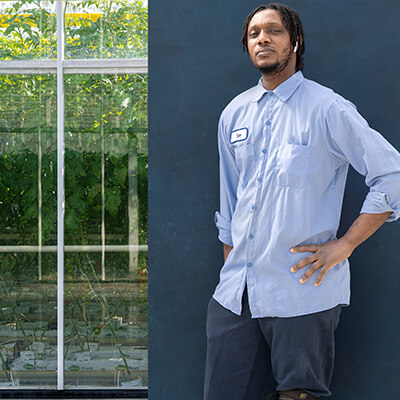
point(305, 247)
point(321, 276)
point(302, 263)
point(310, 271)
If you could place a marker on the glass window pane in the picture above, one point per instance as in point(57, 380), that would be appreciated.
point(106, 231)
point(28, 30)
point(28, 290)
point(106, 29)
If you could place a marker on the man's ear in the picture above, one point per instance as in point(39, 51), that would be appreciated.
point(300, 40)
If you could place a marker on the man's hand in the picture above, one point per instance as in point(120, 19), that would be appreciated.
point(324, 258)
point(329, 254)
point(227, 250)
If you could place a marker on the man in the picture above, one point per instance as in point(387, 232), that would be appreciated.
point(285, 146)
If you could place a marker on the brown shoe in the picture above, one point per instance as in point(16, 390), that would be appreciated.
point(297, 394)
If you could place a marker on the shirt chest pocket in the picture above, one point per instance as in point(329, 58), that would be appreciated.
point(242, 146)
point(293, 165)
point(244, 152)
point(244, 156)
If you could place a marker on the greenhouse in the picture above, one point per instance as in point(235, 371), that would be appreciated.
point(73, 195)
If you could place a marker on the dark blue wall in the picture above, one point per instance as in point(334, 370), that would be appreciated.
point(196, 65)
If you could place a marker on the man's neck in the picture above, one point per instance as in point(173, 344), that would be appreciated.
point(271, 81)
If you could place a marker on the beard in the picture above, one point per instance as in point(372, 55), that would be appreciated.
point(277, 66)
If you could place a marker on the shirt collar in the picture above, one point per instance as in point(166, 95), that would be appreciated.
point(284, 90)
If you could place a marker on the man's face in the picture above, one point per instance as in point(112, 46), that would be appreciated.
point(268, 42)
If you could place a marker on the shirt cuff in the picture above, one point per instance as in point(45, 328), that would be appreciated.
point(377, 203)
point(224, 227)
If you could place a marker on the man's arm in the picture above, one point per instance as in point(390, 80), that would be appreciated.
point(327, 255)
point(350, 140)
point(228, 181)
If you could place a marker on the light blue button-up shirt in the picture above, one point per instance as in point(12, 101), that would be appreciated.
point(284, 157)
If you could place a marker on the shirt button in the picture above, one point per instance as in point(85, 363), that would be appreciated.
point(264, 150)
point(268, 123)
point(258, 179)
point(270, 93)
point(251, 236)
point(249, 264)
point(253, 207)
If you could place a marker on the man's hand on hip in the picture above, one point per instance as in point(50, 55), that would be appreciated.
point(329, 254)
point(324, 257)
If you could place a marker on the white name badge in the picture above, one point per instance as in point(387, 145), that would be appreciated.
point(239, 135)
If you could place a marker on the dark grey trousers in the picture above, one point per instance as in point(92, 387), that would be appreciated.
point(243, 352)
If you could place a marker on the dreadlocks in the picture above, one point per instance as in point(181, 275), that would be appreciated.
point(291, 21)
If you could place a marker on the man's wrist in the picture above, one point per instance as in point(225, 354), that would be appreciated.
point(348, 243)
point(362, 228)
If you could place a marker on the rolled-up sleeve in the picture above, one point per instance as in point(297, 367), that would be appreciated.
point(351, 140)
point(228, 180)
point(224, 228)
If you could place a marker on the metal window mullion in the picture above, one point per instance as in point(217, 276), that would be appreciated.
point(108, 248)
point(60, 195)
point(86, 66)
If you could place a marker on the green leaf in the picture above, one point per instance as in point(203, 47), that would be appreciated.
point(36, 14)
point(71, 222)
point(113, 200)
point(27, 27)
point(96, 169)
point(121, 175)
point(93, 192)
point(10, 28)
